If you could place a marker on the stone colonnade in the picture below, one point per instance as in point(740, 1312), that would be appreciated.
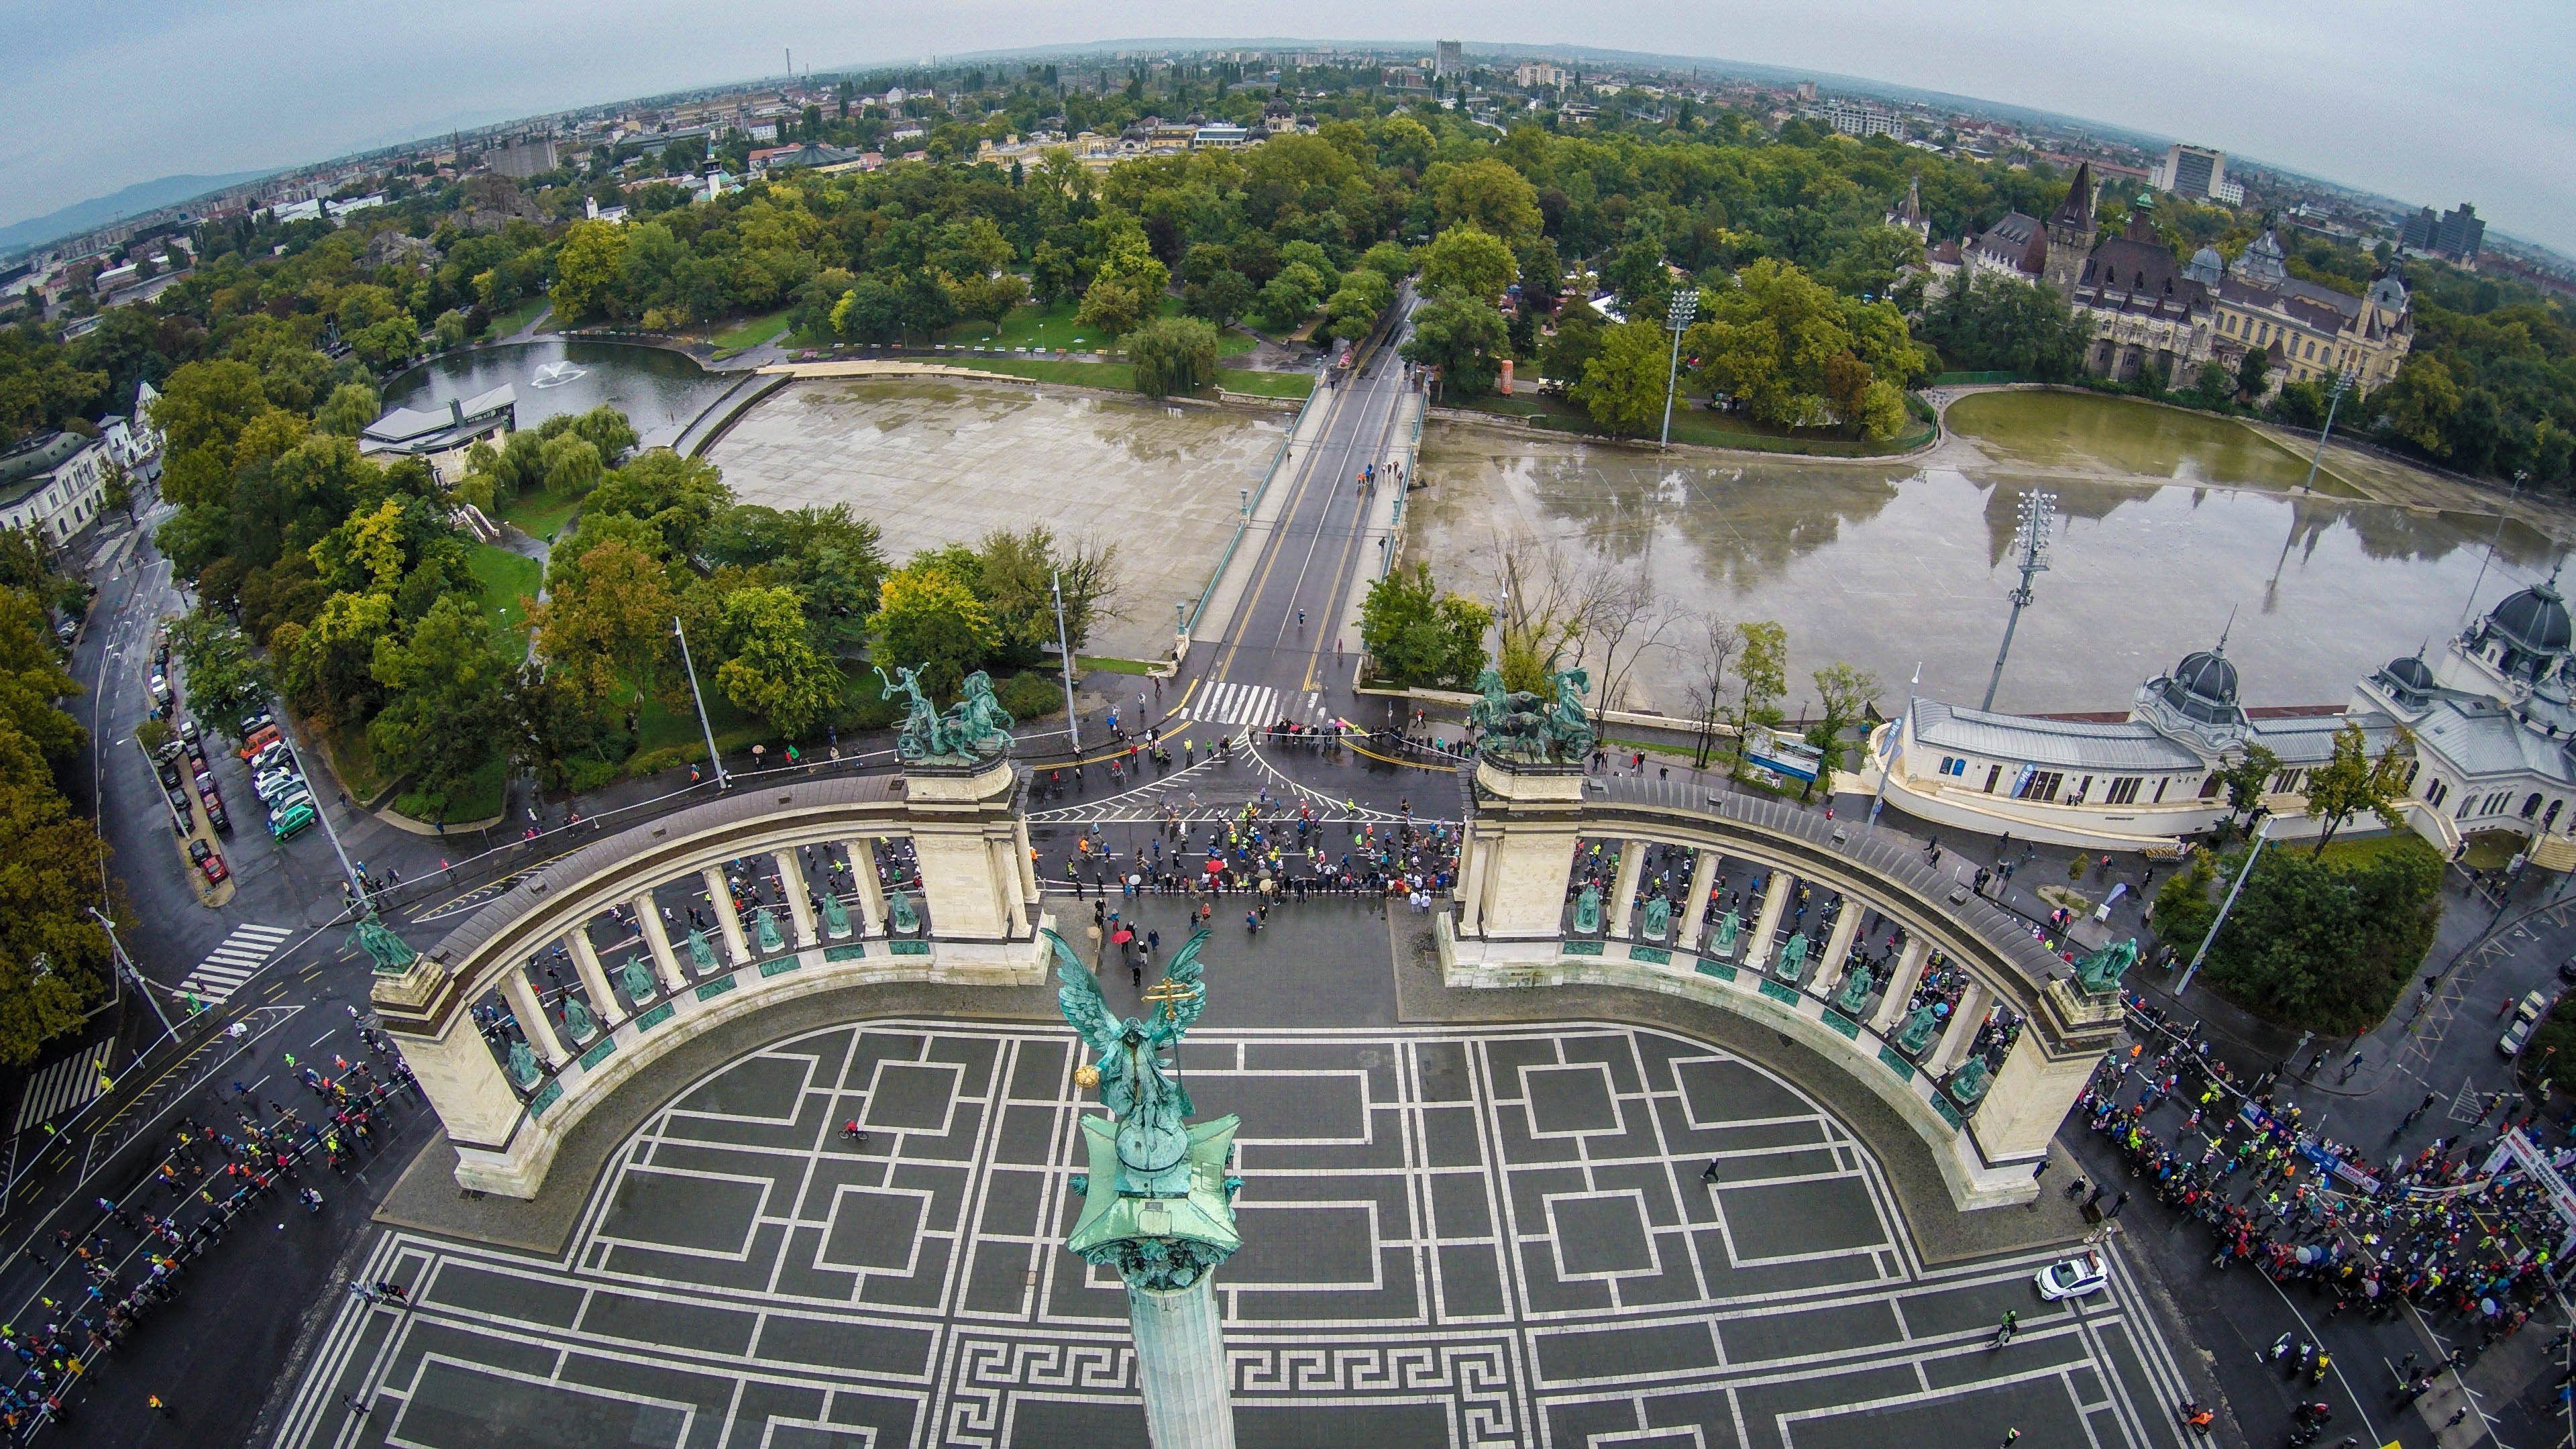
point(969, 916)
point(1988, 1121)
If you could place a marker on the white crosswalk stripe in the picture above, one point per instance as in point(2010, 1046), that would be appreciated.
point(233, 962)
point(60, 1088)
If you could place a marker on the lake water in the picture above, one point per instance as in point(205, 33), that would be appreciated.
point(658, 390)
point(2168, 525)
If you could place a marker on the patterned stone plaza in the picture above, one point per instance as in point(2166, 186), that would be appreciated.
point(1453, 1236)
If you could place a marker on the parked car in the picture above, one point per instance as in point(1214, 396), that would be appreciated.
point(274, 756)
point(198, 850)
point(2073, 1277)
point(213, 866)
point(294, 795)
point(2567, 970)
point(2525, 1017)
point(160, 687)
point(197, 752)
point(253, 722)
point(169, 770)
point(288, 822)
point(180, 802)
point(216, 817)
point(258, 740)
point(188, 730)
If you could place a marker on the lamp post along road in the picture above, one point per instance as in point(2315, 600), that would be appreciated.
point(709, 730)
point(2037, 511)
point(1685, 306)
point(1072, 719)
point(2262, 833)
point(2343, 384)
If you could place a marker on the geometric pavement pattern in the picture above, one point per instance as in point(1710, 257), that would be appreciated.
point(1485, 1236)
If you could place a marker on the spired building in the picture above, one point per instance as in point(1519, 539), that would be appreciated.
point(2491, 721)
point(2145, 308)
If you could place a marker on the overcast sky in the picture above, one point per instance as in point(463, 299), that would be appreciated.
point(2470, 101)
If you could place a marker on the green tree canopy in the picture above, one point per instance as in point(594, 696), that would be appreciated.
point(1464, 337)
point(1173, 355)
point(1470, 262)
point(1418, 635)
point(2313, 943)
point(773, 668)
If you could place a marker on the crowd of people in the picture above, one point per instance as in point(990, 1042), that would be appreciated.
point(128, 1264)
point(2471, 1251)
point(1270, 852)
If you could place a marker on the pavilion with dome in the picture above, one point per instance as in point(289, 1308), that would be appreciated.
point(2489, 723)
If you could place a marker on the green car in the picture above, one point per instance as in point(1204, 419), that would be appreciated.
point(286, 824)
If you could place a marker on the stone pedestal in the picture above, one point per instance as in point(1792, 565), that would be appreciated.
point(1523, 838)
point(2045, 1071)
point(1180, 1367)
point(965, 834)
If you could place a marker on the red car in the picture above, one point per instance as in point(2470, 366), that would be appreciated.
point(213, 866)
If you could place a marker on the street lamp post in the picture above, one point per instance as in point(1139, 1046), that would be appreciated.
point(2519, 474)
point(2262, 833)
point(713, 757)
point(1685, 306)
point(125, 964)
point(2343, 384)
point(2037, 511)
point(1072, 720)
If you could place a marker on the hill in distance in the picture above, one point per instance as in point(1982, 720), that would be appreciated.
point(134, 200)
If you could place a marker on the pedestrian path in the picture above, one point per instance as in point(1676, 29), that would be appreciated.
point(64, 1087)
point(234, 962)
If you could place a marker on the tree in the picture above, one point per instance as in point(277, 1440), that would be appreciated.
point(989, 299)
point(1624, 383)
point(1843, 697)
point(226, 683)
point(1470, 262)
point(53, 953)
point(351, 407)
point(1768, 340)
point(1126, 289)
point(2417, 407)
point(1288, 299)
point(572, 465)
point(1173, 355)
point(443, 705)
point(871, 311)
point(2351, 782)
point(1761, 677)
point(2214, 385)
point(2313, 944)
point(1220, 297)
point(587, 269)
point(1712, 652)
point(929, 619)
point(2252, 372)
point(1577, 339)
point(774, 669)
point(1486, 194)
point(678, 496)
point(2245, 779)
point(1420, 637)
point(605, 625)
point(1464, 337)
point(1352, 311)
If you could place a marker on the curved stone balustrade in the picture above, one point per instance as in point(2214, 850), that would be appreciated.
point(1509, 931)
point(977, 881)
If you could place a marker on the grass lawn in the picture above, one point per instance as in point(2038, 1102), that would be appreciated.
point(509, 582)
point(1115, 376)
point(666, 728)
point(1053, 327)
point(749, 333)
point(516, 318)
point(1694, 425)
point(1265, 384)
point(1112, 666)
point(540, 514)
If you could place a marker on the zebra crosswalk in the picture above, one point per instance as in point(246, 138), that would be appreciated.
point(65, 1086)
point(234, 962)
point(1255, 706)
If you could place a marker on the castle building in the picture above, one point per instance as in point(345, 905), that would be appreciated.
point(2143, 307)
point(2307, 331)
point(2489, 724)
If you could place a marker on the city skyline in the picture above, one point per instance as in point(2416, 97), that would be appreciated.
point(2333, 104)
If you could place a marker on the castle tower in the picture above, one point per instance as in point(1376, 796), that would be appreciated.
point(1908, 214)
point(2070, 233)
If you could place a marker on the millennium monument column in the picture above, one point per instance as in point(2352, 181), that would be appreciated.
point(1158, 1201)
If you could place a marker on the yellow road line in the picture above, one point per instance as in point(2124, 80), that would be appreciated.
point(1409, 764)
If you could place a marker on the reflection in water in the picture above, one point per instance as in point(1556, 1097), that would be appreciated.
point(1882, 566)
point(658, 390)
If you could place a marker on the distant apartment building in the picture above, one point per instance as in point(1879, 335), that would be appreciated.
point(1533, 74)
point(522, 158)
point(2457, 234)
point(1448, 58)
point(2197, 172)
point(1859, 118)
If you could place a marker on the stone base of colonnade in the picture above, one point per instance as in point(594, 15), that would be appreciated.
point(427, 1196)
point(1942, 1183)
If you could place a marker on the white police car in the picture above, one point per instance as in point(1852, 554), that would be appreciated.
point(2073, 1277)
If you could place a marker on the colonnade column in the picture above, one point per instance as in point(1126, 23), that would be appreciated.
point(594, 978)
point(863, 871)
point(1965, 1019)
point(521, 993)
point(720, 900)
point(1695, 910)
point(666, 962)
point(1900, 985)
point(1838, 946)
point(1623, 892)
point(1775, 900)
point(791, 880)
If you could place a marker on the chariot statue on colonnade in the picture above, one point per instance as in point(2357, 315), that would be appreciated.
point(1523, 725)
